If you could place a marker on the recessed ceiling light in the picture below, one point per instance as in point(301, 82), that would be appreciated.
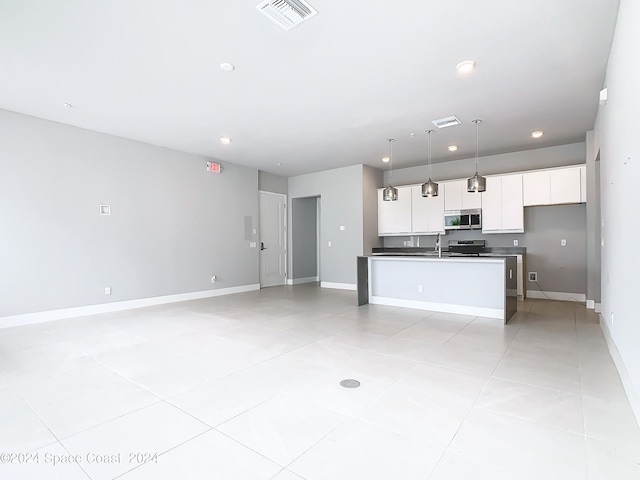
point(452, 148)
point(466, 66)
point(227, 67)
point(225, 140)
point(537, 134)
point(67, 105)
point(385, 159)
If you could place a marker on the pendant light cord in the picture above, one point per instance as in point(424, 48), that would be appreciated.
point(477, 122)
point(390, 140)
point(429, 132)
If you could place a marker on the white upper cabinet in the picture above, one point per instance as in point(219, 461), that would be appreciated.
point(565, 185)
point(502, 205)
point(427, 213)
point(394, 218)
point(492, 205)
point(553, 187)
point(536, 188)
point(456, 196)
point(512, 204)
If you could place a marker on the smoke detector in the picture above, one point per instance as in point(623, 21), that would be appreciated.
point(287, 13)
point(446, 122)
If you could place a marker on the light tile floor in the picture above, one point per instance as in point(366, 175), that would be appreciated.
point(246, 387)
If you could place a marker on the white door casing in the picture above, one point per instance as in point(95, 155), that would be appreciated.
point(273, 239)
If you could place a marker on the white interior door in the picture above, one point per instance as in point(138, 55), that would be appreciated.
point(273, 239)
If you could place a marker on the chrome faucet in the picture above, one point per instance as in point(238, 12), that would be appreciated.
point(438, 247)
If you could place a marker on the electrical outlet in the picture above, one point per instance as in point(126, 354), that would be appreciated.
point(342, 227)
point(107, 290)
point(563, 242)
point(515, 243)
point(533, 276)
point(420, 288)
point(213, 279)
point(328, 244)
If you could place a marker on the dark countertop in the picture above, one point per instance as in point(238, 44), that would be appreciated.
point(429, 250)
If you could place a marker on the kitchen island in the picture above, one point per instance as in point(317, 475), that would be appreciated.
point(470, 285)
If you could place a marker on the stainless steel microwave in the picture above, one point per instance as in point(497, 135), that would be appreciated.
point(463, 219)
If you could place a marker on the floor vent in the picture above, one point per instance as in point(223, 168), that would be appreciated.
point(287, 13)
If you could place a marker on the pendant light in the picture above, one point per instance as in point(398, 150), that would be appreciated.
point(390, 194)
point(430, 188)
point(476, 183)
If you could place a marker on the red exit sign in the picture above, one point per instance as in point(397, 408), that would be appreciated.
point(214, 167)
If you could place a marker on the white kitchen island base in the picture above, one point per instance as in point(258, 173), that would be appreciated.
point(480, 286)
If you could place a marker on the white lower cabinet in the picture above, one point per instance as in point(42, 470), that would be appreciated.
point(427, 213)
point(394, 218)
point(502, 205)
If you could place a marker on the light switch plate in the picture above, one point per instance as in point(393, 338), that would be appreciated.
point(563, 242)
point(515, 243)
point(253, 244)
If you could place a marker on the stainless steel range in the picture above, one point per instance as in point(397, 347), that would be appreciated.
point(467, 247)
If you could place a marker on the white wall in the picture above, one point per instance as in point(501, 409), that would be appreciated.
point(616, 134)
point(172, 223)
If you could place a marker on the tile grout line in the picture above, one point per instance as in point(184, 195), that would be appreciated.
point(446, 449)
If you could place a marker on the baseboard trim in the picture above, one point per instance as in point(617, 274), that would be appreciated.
point(439, 307)
point(593, 305)
point(298, 281)
point(50, 315)
point(340, 286)
point(562, 296)
point(632, 394)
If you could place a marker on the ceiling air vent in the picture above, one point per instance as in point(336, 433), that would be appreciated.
point(447, 122)
point(287, 13)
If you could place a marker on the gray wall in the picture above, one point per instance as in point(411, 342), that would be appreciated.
point(340, 190)
point(562, 155)
point(371, 181)
point(173, 224)
point(593, 220)
point(304, 248)
point(560, 269)
point(616, 136)
point(268, 182)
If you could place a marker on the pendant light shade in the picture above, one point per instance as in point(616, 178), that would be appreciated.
point(390, 194)
point(476, 183)
point(429, 188)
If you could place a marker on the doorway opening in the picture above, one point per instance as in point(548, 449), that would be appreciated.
point(305, 240)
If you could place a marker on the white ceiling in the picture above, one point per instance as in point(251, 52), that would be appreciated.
point(323, 95)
